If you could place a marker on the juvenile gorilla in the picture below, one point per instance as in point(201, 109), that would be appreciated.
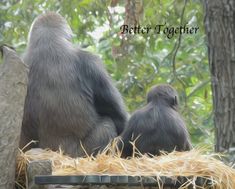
point(70, 97)
point(158, 126)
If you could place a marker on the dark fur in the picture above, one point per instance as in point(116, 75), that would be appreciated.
point(158, 125)
point(70, 97)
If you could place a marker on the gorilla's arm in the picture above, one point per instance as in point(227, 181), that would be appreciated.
point(29, 129)
point(140, 129)
point(107, 99)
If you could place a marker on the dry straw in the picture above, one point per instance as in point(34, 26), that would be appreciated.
point(192, 164)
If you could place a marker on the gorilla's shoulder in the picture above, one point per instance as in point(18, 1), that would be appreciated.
point(87, 56)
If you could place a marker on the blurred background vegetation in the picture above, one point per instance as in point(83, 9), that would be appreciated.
point(135, 62)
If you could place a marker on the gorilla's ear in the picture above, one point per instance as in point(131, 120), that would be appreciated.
point(5, 45)
point(175, 101)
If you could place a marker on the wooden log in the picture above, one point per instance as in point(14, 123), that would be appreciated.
point(13, 84)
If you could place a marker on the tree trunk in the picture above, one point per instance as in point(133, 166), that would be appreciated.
point(220, 30)
point(13, 83)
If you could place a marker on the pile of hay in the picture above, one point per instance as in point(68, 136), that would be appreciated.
point(190, 164)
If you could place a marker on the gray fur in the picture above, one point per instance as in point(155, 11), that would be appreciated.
point(158, 125)
point(69, 93)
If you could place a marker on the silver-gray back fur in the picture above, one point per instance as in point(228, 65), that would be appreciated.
point(70, 94)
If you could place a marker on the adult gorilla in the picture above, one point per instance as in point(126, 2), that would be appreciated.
point(70, 100)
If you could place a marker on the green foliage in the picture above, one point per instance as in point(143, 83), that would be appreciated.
point(148, 58)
